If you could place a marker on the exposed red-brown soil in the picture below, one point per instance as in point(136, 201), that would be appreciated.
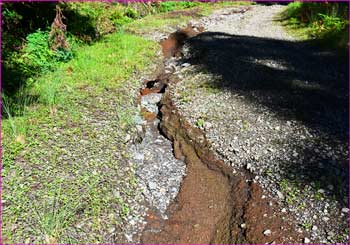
point(146, 91)
point(147, 115)
point(173, 44)
point(214, 205)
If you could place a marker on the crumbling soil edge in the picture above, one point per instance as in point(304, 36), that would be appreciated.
point(242, 216)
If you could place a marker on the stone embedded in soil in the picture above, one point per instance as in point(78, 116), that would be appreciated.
point(149, 102)
point(148, 116)
point(158, 171)
point(149, 91)
point(267, 232)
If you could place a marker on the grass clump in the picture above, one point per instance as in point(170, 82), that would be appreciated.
point(291, 190)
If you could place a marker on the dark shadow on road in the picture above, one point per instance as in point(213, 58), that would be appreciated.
point(295, 80)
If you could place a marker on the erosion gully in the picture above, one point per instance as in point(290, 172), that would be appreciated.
point(214, 204)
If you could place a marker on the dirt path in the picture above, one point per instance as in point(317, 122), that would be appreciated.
point(259, 21)
point(275, 110)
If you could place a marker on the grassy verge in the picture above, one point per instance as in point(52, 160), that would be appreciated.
point(64, 158)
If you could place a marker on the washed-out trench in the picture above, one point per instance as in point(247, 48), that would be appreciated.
point(214, 204)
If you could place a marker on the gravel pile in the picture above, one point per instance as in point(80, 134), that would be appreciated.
point(275, 107)
point(159, 172)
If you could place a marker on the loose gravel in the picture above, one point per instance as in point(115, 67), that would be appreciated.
point(159, 172)
point(275, 106)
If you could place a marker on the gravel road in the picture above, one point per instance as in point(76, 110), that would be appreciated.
point(275, 106)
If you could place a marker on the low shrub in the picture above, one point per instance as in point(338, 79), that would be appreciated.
point(325, 21)
point(37, 56)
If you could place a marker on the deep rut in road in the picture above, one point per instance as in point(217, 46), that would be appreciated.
point(214, 204)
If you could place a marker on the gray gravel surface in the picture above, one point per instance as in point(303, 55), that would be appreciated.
point(159, 172)
point(275, 106)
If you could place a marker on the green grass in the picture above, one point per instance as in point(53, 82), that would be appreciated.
point(45, 185)
point(102, 66)
point(307, 226)
point(291, 190)
point(200, 122)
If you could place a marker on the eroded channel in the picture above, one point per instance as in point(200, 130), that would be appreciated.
point(194, 197)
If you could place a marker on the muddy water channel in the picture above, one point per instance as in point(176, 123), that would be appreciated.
point(194, 197)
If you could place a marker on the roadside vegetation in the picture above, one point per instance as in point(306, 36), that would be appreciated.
point(69, 79)
point(325, 22)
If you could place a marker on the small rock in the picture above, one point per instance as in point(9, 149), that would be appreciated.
point(79, 225)
point(138, 120)
point(284, 210)
point(314, 228)
point(331, 187)
point(152, 185)
point(243, 226)
point(321, 191)
point(306, 240)
point(280, 195)
point(139, 128)
point(207, 125)
point(111, 229)
point(267, 232)
point(345, 210)
point(128, 237)
point(325, 219)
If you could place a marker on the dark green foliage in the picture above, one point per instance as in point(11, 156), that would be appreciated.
point(327, 21)
point(131, 13)
point(37, 56)
point(119, 19)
